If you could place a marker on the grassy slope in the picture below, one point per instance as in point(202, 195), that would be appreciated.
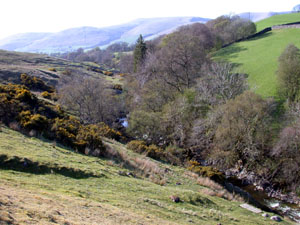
point(258, 58)
point(106, 197)
point(278, 19)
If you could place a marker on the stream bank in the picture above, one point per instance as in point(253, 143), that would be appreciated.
point(262, 194)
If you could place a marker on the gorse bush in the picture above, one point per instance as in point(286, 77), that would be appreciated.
point(33, 121)
point(171, 154)
point(34, 83)
point(108, 132)
point(65, 130)
point(137, 146)
point(90, 137)
point(108, 73)
point(155, 152)
point(52, 69)
point(31, 115)
point(46, 94)
point(151, 151)
point(206, 171)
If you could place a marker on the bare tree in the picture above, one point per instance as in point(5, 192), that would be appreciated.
point(90, 99)
point(221, 84)
point(182, 54)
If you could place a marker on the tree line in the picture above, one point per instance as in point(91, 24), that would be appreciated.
point(177, 96)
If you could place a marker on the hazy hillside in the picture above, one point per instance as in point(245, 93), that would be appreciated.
point(89, 37)
point(257, 16)
point(20, 40)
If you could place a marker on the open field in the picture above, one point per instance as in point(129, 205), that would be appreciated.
point(258, 58)
point(277, 20)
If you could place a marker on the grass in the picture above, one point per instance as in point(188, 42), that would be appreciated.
point(111, 196)
point(277, 20)
point(258, 58)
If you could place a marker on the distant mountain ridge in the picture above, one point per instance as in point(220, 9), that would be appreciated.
point(256, 16)
point(91, 37)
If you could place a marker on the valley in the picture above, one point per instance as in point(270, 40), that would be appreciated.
point(175, 129)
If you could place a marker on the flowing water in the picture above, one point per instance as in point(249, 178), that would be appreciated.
point(286, 209)
point(124, 122)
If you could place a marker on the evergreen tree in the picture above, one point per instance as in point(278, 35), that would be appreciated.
point(139, 53)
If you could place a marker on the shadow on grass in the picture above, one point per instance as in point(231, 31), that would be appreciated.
point(229, 52)
point(260, 36)
point(27, 166)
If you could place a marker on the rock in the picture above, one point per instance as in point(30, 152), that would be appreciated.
point(130, 174)
point(276, 218)
point(122, 173)
point(175, 198)
point(167, 170)
point(178, 183)
point(265, 215)
point(250, 208)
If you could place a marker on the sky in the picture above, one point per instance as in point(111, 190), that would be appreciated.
point(21, 16)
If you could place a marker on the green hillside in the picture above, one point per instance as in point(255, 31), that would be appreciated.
point(258, 57)
point(278, 19)
point(42, 182)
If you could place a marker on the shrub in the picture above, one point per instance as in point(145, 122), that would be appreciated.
point(108, 132)
point(67, 72)
point(52, 69)
point(244, 128)
point(155, 152)
point(289, 74)
point(108, 73)
point(24, 95)
point(287, 158)
point(33, 121)
point(137, 146)
point(174, 155)
point(118, 87)
point(18, 103)
point(65, 130)
point(14, 99)
point(206, 171)
point(34, 83)
point(46, 95)
point(171, 155)
point(90, 137)
point(51, 96)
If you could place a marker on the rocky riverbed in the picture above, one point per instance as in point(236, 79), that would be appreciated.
point(262, 192)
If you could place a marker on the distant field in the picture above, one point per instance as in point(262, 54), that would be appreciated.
point(278, 19)
point(258, 58)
